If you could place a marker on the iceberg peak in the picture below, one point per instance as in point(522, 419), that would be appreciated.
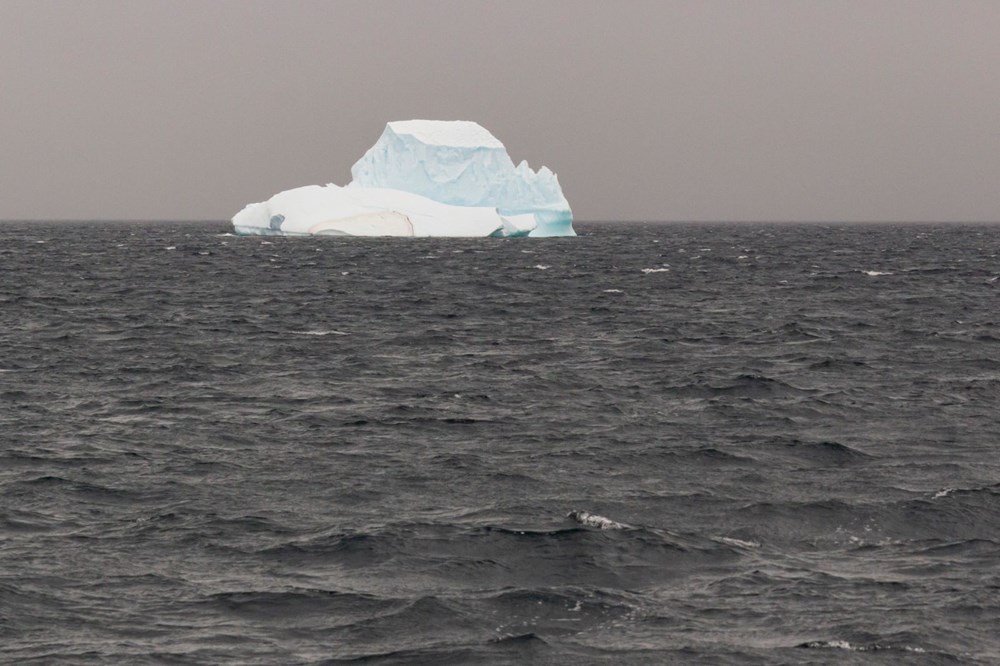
point(462, 164)
point(454, 133)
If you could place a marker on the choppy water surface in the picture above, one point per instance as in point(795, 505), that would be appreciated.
point(782, 442)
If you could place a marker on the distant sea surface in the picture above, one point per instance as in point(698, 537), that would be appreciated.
point(651, 444)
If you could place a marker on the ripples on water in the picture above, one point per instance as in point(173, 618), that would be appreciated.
point(781, 443)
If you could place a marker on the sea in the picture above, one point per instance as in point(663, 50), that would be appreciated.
point(649, 444)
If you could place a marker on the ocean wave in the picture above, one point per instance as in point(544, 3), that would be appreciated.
point(196, 467)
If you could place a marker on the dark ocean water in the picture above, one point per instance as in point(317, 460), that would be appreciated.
point(217, 449)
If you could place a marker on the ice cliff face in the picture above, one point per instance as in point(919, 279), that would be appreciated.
point(461, 163)
point(423, 178)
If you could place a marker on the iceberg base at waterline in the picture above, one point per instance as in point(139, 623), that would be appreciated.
point(423, 178)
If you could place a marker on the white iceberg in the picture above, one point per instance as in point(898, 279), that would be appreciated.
point(423, 178)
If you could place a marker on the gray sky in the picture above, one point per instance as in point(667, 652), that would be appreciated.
point(660, 110)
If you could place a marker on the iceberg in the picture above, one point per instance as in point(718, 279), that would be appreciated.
point(423, 178)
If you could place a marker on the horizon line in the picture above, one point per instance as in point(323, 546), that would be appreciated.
point(194, 220)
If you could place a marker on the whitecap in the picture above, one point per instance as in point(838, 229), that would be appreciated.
point(839, 645)
point(594, 520)
point(739, 543)
point(875, 273)
point(330, 332)
point(542, 267)
point(612, 291)
point(647, 271)
point(875, 647)
point(171, 247)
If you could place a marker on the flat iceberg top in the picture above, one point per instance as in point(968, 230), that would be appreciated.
point(457, 133)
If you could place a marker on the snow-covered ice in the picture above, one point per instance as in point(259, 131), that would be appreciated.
point(423, 178)
point(371, 211)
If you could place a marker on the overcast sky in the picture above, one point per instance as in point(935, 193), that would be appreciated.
point(659, 110)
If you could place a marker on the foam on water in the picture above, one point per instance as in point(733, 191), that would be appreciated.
point(874, 647)
point(594, 520)
point(329, 332)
